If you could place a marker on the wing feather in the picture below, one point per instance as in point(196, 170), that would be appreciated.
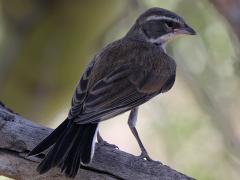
point(110, 96)
point(80, 93)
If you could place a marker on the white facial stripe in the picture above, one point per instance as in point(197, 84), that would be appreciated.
point(163, 39)
point(161, 17)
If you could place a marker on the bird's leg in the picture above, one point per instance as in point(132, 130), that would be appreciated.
point(132, 119)
point(105, 143)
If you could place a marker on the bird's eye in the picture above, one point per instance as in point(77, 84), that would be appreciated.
point(169, 24)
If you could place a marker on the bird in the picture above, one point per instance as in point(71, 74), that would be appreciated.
point(122, 76)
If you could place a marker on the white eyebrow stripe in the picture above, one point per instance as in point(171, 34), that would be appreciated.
point(161, 17)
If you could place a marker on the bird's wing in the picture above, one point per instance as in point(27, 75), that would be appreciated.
point(110, 96)
point(80, 92)
point(119, 92)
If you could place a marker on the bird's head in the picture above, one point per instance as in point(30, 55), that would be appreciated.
point(159, 26)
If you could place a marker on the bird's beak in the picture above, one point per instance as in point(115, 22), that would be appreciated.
point(185, 30)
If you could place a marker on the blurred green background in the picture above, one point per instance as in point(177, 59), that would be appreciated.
point(194, 128)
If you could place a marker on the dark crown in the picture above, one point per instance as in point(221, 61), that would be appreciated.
point(158, 26)
point(158, 12)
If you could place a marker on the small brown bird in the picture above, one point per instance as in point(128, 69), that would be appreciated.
point(121, 77)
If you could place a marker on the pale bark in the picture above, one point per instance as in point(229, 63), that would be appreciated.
point(18, 136)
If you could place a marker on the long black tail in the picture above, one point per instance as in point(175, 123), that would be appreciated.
point(72, 145)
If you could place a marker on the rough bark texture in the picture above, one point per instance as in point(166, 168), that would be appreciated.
point(18, 136)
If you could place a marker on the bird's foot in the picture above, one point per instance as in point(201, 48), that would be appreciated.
point(144, 156)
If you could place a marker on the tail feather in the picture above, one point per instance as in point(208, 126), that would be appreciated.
point(88, 147)
point(73, 155)
point(62, 148)
point(51, 139)
point(78, 151)
point(72, 146)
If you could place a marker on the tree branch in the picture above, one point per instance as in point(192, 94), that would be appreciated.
point(18, 136)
